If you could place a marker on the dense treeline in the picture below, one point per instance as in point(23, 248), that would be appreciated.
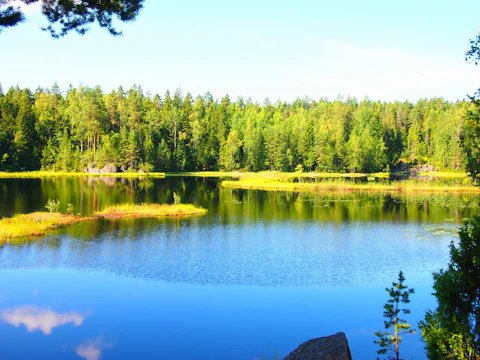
point(49, 130)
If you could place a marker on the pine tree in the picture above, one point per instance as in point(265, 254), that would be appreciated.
point(389, 340)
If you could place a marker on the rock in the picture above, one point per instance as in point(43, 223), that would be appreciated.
point(109, 168)
point(334, 347)
point(123, 168)
point(401, 166)
point(425, 168)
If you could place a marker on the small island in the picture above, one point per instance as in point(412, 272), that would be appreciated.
point(40, 222)
point(149, 211)
point(278, 181)
point(35, 224)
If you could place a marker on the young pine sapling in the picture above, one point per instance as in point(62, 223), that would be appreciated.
point(390, 339)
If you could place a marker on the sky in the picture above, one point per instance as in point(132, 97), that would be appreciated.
point(384, 50)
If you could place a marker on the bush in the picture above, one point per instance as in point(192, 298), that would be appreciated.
point(452, 330)
point(52, 205)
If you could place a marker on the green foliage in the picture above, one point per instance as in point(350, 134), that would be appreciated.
point(74, 15)
point(471, 141)
point(52, 205)
point(389, 340)
point(452, 330)
point(126, 128)
point(70, 209)
point(145, 167)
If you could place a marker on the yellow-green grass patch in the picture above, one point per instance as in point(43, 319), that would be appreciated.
point(42, 174)
point(34, 224)
point(342, 184)
point(149, 211)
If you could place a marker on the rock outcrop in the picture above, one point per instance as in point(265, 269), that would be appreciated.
point(109, 168)
point(93, 169)
point(334, 347)
point(424, 168)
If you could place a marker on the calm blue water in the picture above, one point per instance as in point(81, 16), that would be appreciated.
point(243, 282)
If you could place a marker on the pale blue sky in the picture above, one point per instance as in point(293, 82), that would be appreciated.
point(387, 50)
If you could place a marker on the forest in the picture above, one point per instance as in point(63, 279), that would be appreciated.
point(80, 127)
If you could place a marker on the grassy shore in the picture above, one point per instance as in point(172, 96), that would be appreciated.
point(39, 223)
point(342, 185)
point(272, 174)
point(35, 224)
point(43, 174)
point(444, 174)
point(149, 211)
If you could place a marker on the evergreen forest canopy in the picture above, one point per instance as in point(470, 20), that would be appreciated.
point(85, 127)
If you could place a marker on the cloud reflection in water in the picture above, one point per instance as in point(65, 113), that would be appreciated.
point(38, 318)
point(92, 349)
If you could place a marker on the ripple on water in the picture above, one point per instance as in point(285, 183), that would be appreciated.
point(268, 253)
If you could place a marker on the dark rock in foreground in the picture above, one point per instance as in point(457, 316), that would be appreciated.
point(334, 347)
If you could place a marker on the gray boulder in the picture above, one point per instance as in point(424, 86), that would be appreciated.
point(334, 347)
point(109, 168)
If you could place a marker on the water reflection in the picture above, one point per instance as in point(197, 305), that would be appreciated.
point(90, 194)
point(37, 318)
point(93, 349)
point(289, 260)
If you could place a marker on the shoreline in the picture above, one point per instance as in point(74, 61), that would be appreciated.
point(46, 174)
point(41, 222)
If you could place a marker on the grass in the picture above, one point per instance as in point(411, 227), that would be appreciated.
point(42, 174)
point(34, 224)
point(444, 174)
point(342, 184)
point(236, 174)
point(149, 211)
point(39, 223)
point(273, 174)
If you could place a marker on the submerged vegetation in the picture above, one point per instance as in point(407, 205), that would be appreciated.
point(39, 223)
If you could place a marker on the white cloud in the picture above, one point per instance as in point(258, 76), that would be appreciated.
point(335, 67)
point(34, 8)
point(43, 319)
point(93, 349)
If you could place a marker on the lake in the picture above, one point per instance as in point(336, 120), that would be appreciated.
point(259, 274)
